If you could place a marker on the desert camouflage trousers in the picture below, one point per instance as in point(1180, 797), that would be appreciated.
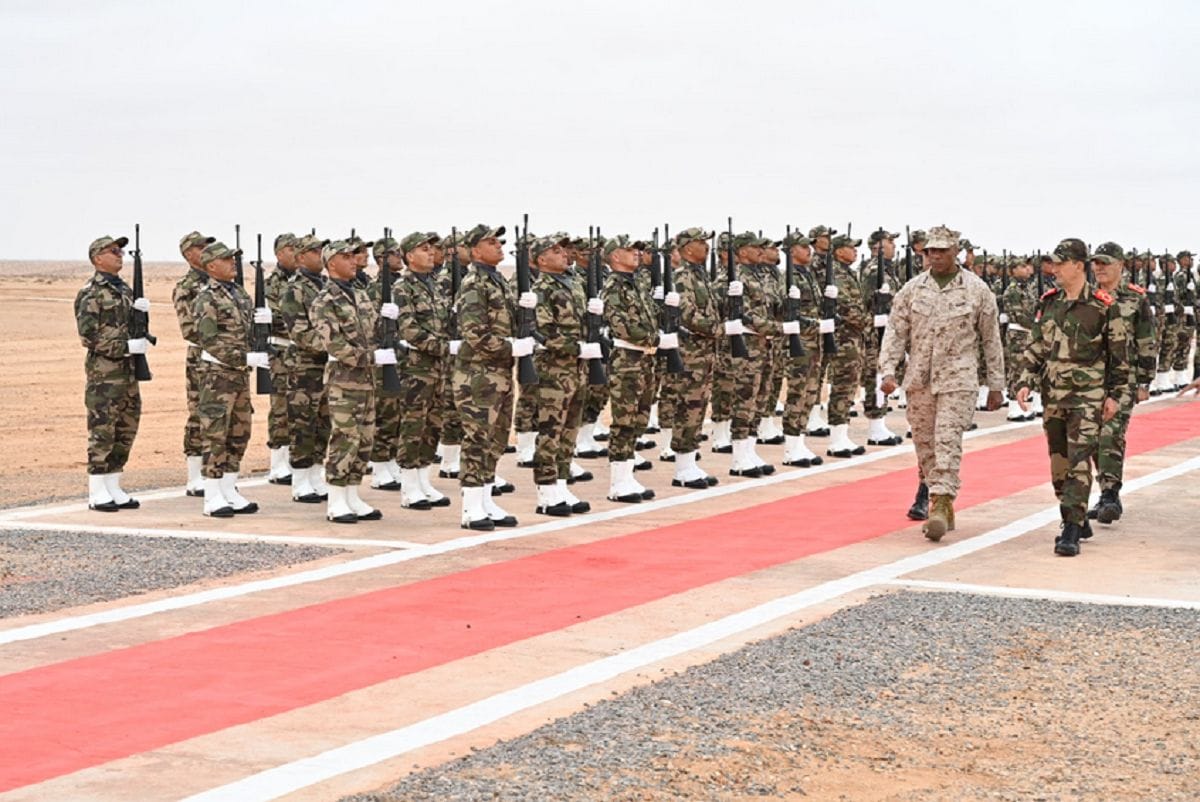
point(308, 414)
point(421, 411)
point(938, 422)
point(484, 397)
point(525, 415)
point(386, 445)
point(595, 399)
point(559, 404)
point(631, 392)
point(193, 442)
point(803, 389)
point(114, 408)
point(451, 422)
point(843, 371)
point(1072, 436)
point(684, 396)
point(773, 373)
point(350, 392)
point(225, 418)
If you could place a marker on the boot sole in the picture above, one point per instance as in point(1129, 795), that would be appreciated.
point(1066, 549)
point(286, 480)
point(632, 498)
point(1107, 516)
point(934, 529)
point(479, 526)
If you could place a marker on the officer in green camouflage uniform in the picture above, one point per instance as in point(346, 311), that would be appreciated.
point(761, 310)
point(183, 297)
point(385, 447)
point(344, 319)
point(278, 434)
point(308, 407)
point(846, 364)
point(1080, 355)
point(111, 394)
point(223, 319)
point(1019, 303)
point(883, 245)
point(803, 373)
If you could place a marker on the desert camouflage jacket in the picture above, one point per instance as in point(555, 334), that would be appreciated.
point(343, 320)
point(561, 315)
point(424, 321)
point(276, 285)
point(630, 310)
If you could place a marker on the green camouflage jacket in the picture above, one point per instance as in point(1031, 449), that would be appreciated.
point(561, 315)
point(224, 316)
point(629, 310)
point(761, 302)
point(699, 311)
point(302, 291)
point(809, 305)
point(487, 317)
point(424, 318)
point(1135, 311)
point(855, 319)
point(184, 299)
point(343, 321)
point(276, 285)
point(102, 309)
point(1020, 303)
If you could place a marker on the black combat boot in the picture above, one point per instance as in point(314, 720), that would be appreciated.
point(919, 511)
point(1108, 508)
point(1067, 542)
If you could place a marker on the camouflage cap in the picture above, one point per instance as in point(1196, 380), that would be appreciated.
point(723, 240)
point(383, 247)
point(335, 247)
point(795, 238)
point(767, 242)
point(543, 244)
point(104, 242)
point(879, 234)
point(747, 238)
point(842, 241)
point(284, 240)
point(416, 239)
point(359, 244)
point(1109, 253)
point(217, 250)
point(621, 242)
point(942, 237)
point(310, 242)
point(917, 237)
point(481, 232)
point(437, 241)
point(1182, 254)
point(820, 231)
point(1070, 250)
point(964, 244)
point(194, 238)
point(1166, 257)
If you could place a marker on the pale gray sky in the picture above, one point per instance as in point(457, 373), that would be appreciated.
point(1016, 122)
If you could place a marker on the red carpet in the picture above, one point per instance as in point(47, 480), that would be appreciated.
point(68, 716)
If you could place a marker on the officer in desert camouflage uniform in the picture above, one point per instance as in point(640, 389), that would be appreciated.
point(1080, 355)
point(385, 446)
point(883, 246)
point(183, 297)
point(278, 435)
point(938, 319)
point(223, 318)
point(343, 320)
point(1020, 306)
point(845, 366)
point(111, 394)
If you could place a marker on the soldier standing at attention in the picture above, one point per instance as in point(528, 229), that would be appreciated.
point(184, 298)
point(483, 373)
point(803, 373)
point(1080, 356)
point(224, 318)
point(883, 246)
point(1020, 306)
point(385, 470)
point(450, 446)
point(111, 394)
point(278, 436)
point(939, 318)
point(846, 364)
point(724, 368)
point(817, 425)
point(343, 320)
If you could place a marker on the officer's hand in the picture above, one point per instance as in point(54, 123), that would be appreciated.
point(994, 399)
point(888, 384)
point(590, 351)
point(1023, 398)
point(527, 300)
point(1194, 387)
point(258, 359)
point(262, 315)
point(1143, 394)
point(141, 304)
point(1110, 408)
point(137, 346)
point(735, 289)
point(390, 311)
point(671, 299)
point(385, 356)
point(595, 306)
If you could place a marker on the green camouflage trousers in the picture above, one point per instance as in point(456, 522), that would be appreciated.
point(278, 434)
point(351, 395)
point(630, 375)
point(308, 415)
point(114, 408)
point(1183, 346)
point(451, 422)
point(746, 385)
point(772, 378)
point(803, 386)
point(484, 397)
point(685, 395)
point(193, 444)
point(870, 367)
point(1015, 344)
point(843, 371)
point(386, 443)
point(559, 404)
point(421, 414)
point(525, 418)
point(1110, 452)
point(595, 400)
point(1073, 435)
point(225, 418)
point(722, 381)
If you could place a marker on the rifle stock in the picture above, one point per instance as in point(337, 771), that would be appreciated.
point(737, 343)
point(792, 306)
point(526, 320)
point(262, 331)
point(139, 322)
point(669, 314)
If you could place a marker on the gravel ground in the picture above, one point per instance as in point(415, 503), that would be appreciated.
point(44, 571)
point(910, 696)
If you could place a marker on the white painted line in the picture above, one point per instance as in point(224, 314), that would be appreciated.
point(202, 534)
point(37, 511)
point(1046, 594)
point(300, 774)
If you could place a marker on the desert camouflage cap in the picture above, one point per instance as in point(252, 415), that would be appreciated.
point(193, 238)
point(842, 241)
point(879, 234)
point(217, 250)
point(942, 237)
point(767, 242)
point(918, 237)
point(284, 240)
point(104, 242)
point(383, 247)
point(1070, 250)
point(1166, 257)
point(820, 231)
point(481, 232)
point(1110, 253)
point(359, 244)
point(416, 239)
point(310, 242)
point(723, 240)
point(332, 249)
point(795, 238)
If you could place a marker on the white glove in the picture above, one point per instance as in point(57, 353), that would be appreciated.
point(1003, 318)
point(595, 306)
point(454, 346)
point(522, 346)
point(881, 321)
point(390, 311)
point(258, 359)
point(672, 299)
point(137, 346)
point(590, 351)
point(831, 291)
point(791, 327)
point(527, 300)
point(827, 326)
point(1152, 288)
point(885, 289)
point(667, 341)
point(733, 327)
point(141, 304)
point(794, 293)
point(735, 289)
point(262, 315)
point(657, 292)
point(385, 356)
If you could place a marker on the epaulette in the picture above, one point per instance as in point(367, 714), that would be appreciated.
point(1048, 293)
point(1137, 289)
point(1104, 297)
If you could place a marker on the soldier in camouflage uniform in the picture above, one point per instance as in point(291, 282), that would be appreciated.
point(592, 431)
point(1185, 308)
point(817, 424)
point(724, 369)
point(938, 319)
point(344, 320)
point(525, 414)
point(1135, 311)
point(770, 431)
point(846, 364)
point(385, 446)
point(1020, 306)
point(183, 297)
point(1169, 320)
point(1080, 356)
point(450, 446)
point(883, 245)
point(803, 373)
point(278, 435)
point(483, 373)
point(308, 407)
point(111, 394)
point(223, 317)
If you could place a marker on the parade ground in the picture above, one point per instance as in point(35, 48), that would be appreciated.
point(789, 637)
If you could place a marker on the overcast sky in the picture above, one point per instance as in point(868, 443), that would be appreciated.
point(1016, 122)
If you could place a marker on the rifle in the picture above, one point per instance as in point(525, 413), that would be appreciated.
point(829, 305)
point(1089, 273)
point(712, 263)
point(737, 343)
point(792, 309)
point(883, 300)
point(1041, 280)
point(908, 266)
point(390, 375)
point(239, 276)
point(1168, 294)
point(597, 376)
point(139, 322)
point(669, 314)
point(262, 331)
point(526, 320)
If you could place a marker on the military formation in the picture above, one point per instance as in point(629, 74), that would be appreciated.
point(430, 360)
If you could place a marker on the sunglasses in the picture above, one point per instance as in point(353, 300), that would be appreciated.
point(116, 251)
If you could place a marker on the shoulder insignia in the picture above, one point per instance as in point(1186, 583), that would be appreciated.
point(1104, 297)
point(1137, 289)
point(1048, 293)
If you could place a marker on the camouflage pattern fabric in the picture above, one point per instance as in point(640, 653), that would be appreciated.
point(595, 399)
point(424, 324)
point(183, 297)
point(684, 396)
point(1072, 435)
point(871, 335)
point(938, 421)
point(804, 374)
point(525, 417)
point(223, 316)
point(558, 395)
point(845, 366)
point(633, 319)
point(1185, 297)
point(759, 313)
point(111, 394)
point(307, 405)
point(275, 285)
point(1020, 304)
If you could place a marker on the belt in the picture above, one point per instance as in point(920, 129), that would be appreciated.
point(191, 344)
point(207, 357)
point(628, 346)
point(1016, 327)
point(331, 358)
point(280, 341)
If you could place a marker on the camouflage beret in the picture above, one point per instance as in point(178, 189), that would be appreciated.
point(795, 238)
point(104, 242)
point(1110, 253)
point(194, 238)
point(416, 239)
point(383, 247)
point(879, 234)
point(217, 250)
point(620, 242)
point(942, 237)
point(481, 232)
point(842, 241)
point(284, 240)
point(918, 237)
point(310, 242)
point(820, 231)
point(1070, 250)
